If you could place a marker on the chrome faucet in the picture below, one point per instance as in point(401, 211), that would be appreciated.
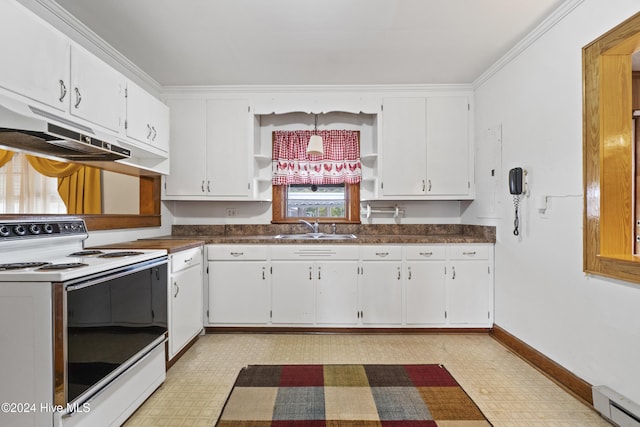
point(313, 226)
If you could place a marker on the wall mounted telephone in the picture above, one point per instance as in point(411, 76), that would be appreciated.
point(515, 181)
point(516, 188)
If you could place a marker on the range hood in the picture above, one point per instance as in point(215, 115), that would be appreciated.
point(40, 132)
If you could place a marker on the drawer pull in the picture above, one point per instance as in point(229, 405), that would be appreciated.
point(237, 254)
point(469, 253)
point(188, 260)
point(382, 254)
point(426, 253)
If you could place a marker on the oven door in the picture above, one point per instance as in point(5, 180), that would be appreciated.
point(104, 324)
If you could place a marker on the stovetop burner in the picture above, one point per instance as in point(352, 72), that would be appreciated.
point(21, 265)
point(86, 253)
point(63, 266)
point(119, 254)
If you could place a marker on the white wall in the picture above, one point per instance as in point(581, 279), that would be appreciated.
point(590, 325)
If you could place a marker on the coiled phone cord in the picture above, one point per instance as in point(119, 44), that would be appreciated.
point(516, 221)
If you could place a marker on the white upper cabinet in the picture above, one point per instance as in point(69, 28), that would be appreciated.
point(210, 141)
point(188, 135)
point(404, 149)
point(448, 168)
point(97, 90)
point(147, 118)
point(426, 148)
point(23, 38)
point(228, 159)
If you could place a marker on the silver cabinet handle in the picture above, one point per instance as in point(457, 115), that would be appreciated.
point(153, 138)
point(469, 253)
point(310, 278)
point(426, 253)
point(319, 274)
point(423, 185)
point(208, 186)
point(78, 98)
point(186, 261)
point(398, 273)
point(202, 186)
point(177, 289)
point(63, 91)
point(382, 254)
point(148, 131)
point(409, 277)
point(429, 189)
point(453, 274)
point(263, 276)
point(236, 254)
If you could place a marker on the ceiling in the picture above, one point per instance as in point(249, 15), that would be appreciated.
point(312, 42)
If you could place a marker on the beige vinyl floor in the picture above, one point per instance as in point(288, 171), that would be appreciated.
point(508, 390)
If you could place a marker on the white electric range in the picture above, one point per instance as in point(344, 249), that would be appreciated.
point(82, 332)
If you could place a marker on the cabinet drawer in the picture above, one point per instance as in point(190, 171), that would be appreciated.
point(469, 252)
point(425, 252)
point(236, 252)
point(314, 252)
point(185, 259)
point(381, 252)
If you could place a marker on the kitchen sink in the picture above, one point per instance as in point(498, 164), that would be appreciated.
point(315, 236)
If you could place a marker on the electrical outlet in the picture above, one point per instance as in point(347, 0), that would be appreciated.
point(231, 211)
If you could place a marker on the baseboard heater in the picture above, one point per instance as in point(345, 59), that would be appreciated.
point(615, 407)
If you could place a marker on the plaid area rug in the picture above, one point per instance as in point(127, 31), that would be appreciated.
point(348, 396)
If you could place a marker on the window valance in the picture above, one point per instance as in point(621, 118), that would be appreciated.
point(339, 164)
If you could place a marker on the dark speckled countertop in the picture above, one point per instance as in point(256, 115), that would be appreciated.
point(366, 234)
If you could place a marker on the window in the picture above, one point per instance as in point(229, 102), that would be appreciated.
point(326, 187)
point(333, 203)
point(24, 190)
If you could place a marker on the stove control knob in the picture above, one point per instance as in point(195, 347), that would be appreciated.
point(34, 229)
point(4, 231)
point(48, 229)
point(20, 230)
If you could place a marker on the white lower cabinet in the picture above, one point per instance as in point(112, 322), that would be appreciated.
point(381, 285)
point(470, 285)
point(308, 291)
point(440, 285)
point(337, 293)
point(239, 291)
point(292, 292)
point(425, 285)
point(185, 296)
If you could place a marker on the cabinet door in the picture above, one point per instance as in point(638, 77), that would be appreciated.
point(186, 307)
point(228, 158)
point(35, 57)
point(403, 163)
point(147, 118)
point(292, 295)
point(470, 293)
point(187, 168)
point(425, 292)
point(97, 91)
point(448, 169)
point(337, 293)
point(381, 293)
point(239, 292)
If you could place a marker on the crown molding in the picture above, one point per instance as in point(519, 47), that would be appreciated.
point(364, 89)
point(565, 8)
point(60, 18)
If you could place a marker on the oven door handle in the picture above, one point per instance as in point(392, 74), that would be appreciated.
point(124, 271)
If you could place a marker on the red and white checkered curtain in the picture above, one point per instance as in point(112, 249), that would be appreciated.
point(339, 164)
